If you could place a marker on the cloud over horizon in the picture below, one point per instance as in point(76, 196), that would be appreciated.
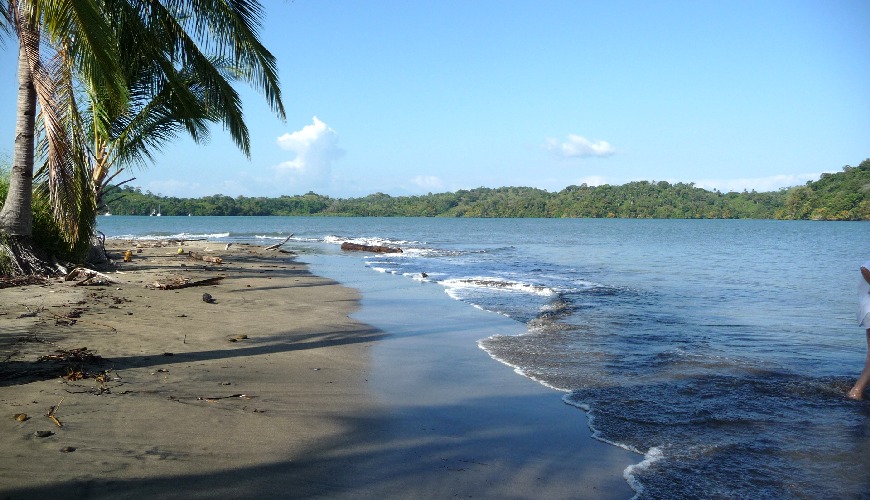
point(761, 184)
point(429, 182)
point(577, 146)
point(316, 148)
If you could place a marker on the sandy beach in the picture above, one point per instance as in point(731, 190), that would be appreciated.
point(270, 388)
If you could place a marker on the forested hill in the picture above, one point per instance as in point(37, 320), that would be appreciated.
point(841, 196)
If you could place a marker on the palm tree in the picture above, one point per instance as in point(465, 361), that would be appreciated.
point(95, 55)
point(179, 64)
point(165, 71)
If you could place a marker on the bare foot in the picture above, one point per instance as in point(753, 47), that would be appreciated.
point(857, 395)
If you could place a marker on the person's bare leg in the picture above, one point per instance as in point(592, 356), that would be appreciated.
point(857, 391)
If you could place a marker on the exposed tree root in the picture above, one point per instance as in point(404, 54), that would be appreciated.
point(18, 257)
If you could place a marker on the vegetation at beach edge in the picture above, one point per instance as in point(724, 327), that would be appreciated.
point(843, 195)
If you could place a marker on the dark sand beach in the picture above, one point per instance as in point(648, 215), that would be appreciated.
point(274, 389)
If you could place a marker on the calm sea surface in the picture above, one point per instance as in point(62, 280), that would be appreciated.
point(720, 350)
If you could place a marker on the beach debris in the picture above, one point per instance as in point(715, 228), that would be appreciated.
point(369, 248)
point(216, 398)
point(102, 378)
point(10, 281)
point(52, 411)
point(279, 245)
point(87, 276)
point(238, 338)
point(43, 434)
point(74, 313)
point(21, 417)
point(80, 355)
point(228, 246)
point(71, 364)
point(30, 314)
point(128, 256)
point(207, 298)
point(204, 258)
point(181, 282)
point(68, 449)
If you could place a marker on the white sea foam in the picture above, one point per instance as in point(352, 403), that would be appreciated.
point(652, 456)
point(177, 236)
point(368, 240)
point(517, 369)
point(497, 284)
point(282, 238)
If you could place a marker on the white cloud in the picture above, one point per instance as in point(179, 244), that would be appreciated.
point(576, 146)
point(761, 184)
point(593, 180)
point(428, 182)
point(316, 148)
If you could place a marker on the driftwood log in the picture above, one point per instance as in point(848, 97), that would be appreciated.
point(205, 258)
point(369, 248)
point(279, 245)
point(87, 276)
point(181, 283)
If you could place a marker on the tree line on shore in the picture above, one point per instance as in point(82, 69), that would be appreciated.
point(843, 195)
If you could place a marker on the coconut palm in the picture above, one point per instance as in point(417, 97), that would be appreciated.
point(179, 62)
point(176, 58)
point(90, 47)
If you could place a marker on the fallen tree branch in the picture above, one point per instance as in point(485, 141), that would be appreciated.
point(89, 277)
point(279, 245)
point(186, 284)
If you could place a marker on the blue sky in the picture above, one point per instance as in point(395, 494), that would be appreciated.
point(411, 97)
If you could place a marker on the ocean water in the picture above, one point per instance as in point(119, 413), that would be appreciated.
point(719, 350)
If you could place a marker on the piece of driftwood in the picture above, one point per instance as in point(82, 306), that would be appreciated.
point(87, 276)
point(216, 398)
point(52, 411)
point(175, 285)
point(205, 258)
point(369, 248)
point(279, 245)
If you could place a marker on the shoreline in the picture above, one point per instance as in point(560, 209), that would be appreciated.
point(502, 434)
point(308, 404)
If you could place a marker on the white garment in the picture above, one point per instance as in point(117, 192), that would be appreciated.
point(864, 300)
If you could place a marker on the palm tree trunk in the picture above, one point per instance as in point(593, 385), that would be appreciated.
point(16, 217)
point(17, 254)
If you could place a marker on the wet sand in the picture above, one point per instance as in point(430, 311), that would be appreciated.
point(272, 389)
